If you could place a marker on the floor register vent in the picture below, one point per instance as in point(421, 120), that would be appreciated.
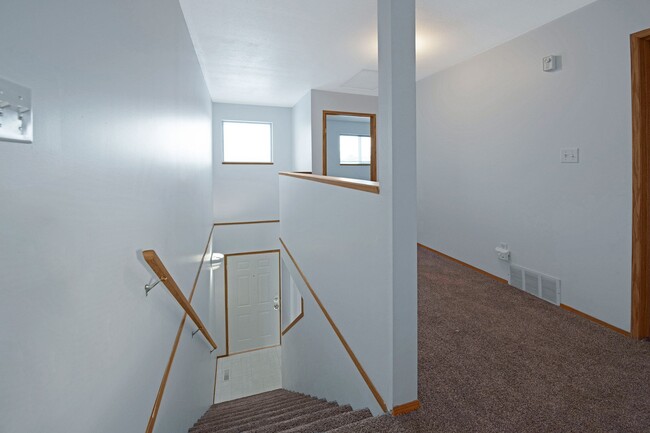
point(540, 285)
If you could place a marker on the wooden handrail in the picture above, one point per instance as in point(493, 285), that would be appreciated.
point(295, 321)
point(159, 269)
point(243, 223)
point(163, 383)
point(337, 331)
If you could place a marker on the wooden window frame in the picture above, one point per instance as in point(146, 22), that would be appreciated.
point(373, 140)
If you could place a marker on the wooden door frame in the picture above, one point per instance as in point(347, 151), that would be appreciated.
point(640, 48)
point(373, 139)
point(225, 291)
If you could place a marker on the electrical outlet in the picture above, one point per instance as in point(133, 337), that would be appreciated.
point(226, 375)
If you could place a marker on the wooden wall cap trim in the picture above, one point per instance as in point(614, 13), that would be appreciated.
point(240, 223)
point(338, 333)
point(481, 271)
point(403, 409)
point(360, 185)
point(593, 319)
point(295, 321)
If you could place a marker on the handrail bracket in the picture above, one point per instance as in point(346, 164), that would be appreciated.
point(149, 287)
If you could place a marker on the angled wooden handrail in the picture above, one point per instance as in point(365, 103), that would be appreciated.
point(163, 383)
point(337, 331)
point(295, 321)
point(159, 269)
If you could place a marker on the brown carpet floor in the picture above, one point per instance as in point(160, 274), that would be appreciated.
point(491, 359)
point(495, 359)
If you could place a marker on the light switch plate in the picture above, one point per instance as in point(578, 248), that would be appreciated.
point(571, 156)
point(15, 112)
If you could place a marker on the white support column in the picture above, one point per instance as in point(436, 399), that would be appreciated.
point(397, 136)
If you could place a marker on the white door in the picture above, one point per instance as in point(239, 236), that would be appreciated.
point(253, 301)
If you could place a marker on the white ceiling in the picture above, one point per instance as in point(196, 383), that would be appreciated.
point(272, 52)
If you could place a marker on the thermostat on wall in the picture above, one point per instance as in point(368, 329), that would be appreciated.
point(550, 63)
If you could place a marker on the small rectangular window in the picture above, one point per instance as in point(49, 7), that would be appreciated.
point(247, 142)
point(354, 150)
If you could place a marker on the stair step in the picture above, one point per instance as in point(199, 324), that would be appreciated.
point(302, 420)
point(254, 398)
point(258, 399)
point(244, 410)
point(290, 412)
point(278, 415)
point(384, 424)
point(328, 424)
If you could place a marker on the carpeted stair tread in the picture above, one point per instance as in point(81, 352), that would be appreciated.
point(258, 398)
point(330, 423)
point(279, 415)
point(261, 424)
point(246, 410)
point(245, 413)
point(302, 420)
point(270, 399)
point(288, 412)
point(383, 424)
point(311, 403)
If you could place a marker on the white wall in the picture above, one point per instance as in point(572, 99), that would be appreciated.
point(121, 161)
point(336, 128)
point(250, 192)
point(341, 240)
point(246, 193)
point(357, 249)
point(489, 139)
point(320, 101)
point(301, 148)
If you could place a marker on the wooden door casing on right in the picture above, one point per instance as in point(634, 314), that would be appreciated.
point(640, 46)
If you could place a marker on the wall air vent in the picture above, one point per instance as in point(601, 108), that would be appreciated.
point(535, 283)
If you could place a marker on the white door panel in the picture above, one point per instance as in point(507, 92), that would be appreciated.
point(253, 293)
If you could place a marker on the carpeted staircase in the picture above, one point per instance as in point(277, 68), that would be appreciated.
point(289, 412)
